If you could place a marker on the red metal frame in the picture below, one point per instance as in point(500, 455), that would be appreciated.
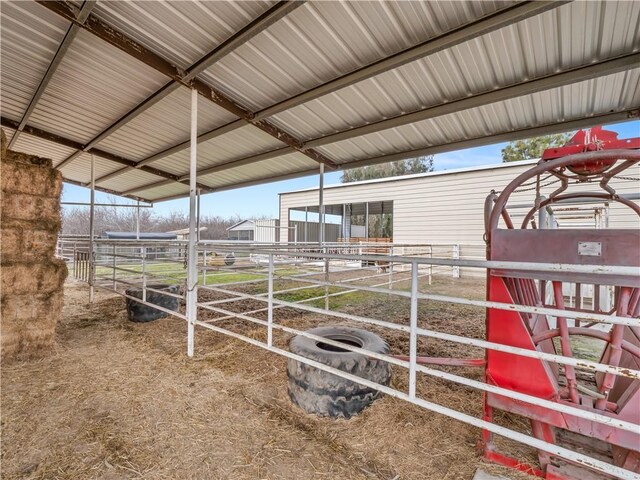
point(590, 155)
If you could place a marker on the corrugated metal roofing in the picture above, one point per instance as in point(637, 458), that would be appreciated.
point(40, 147)
point(171, 118)
point(30, 38)
point(80, 170)
point(81, 99)
point(97, 83)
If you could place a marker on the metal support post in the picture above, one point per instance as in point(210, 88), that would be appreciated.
point(366, 221)
point(306, 224)
point(92, 202)
point(113, 274)
point(204, 266)
point(144, 274)
point(75, 259)
point(456, 255)
point(430, 265)
point(390, 266)
point(138, 221)
point(413, 332)
point(326, 280)
point(198, 217)
point(270, 304)
point(321, 238)
point(192, 272)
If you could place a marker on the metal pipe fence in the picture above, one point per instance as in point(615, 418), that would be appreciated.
point(320, 273)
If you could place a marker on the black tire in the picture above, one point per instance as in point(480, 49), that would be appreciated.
point(329, 395)
point(139, 312)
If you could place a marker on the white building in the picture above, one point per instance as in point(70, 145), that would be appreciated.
point(255, 231)
point(436, 207)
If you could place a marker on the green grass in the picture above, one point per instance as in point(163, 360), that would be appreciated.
point(176, 273)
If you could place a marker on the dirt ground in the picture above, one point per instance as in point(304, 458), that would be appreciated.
point(121, 400)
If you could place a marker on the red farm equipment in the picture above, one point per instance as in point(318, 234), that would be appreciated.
point(593, 157)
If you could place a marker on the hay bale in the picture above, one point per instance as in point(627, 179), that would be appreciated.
point(35, 310)
point(52, 225)
point(3, 142)
point(28, 324)
point(31, 280)
point(27, 174)
point(21, 242)
point(20, 206)
point(33, 277)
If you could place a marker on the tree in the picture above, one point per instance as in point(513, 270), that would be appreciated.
point(390, 169)
point(75, 221)
point(532, 147)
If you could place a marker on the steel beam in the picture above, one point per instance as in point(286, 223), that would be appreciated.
point(132, 48)
point(262, 22)
point(606, 67)
point(52, 137)
point(461, 34)
point(556, 80)
point(449, 39)
point(556, 127)
point(105, 190)
point(224, 166)
point(82, 15)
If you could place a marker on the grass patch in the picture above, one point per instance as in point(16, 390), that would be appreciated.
point(175, 273)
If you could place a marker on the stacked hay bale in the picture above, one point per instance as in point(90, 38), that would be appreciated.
point(31, 278)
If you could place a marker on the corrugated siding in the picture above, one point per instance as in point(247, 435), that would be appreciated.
point(266, 231)
point(310, 231)
point(447, 208)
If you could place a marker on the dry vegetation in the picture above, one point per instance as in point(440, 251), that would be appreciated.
point(121, 400)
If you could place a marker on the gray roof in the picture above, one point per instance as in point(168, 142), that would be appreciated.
point(284, 86)
point(142, 236)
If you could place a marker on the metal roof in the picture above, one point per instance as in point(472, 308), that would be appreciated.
point(141, 235)
point(286, 85)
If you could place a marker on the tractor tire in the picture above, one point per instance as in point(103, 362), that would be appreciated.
point(326, 394)
point(141, 313)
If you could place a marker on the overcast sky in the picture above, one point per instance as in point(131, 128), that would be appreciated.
point(263, 199)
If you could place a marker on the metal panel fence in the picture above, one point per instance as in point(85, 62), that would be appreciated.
point(333, 270)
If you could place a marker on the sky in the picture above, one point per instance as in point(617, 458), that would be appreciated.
point(262, 200)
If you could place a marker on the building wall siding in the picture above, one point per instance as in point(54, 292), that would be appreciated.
point(448, 207)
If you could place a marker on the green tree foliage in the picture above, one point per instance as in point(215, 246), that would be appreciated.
point(391, 169)
point(532, 147)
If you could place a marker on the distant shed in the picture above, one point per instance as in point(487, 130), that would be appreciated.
point(255, 231)
point(183, 233)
